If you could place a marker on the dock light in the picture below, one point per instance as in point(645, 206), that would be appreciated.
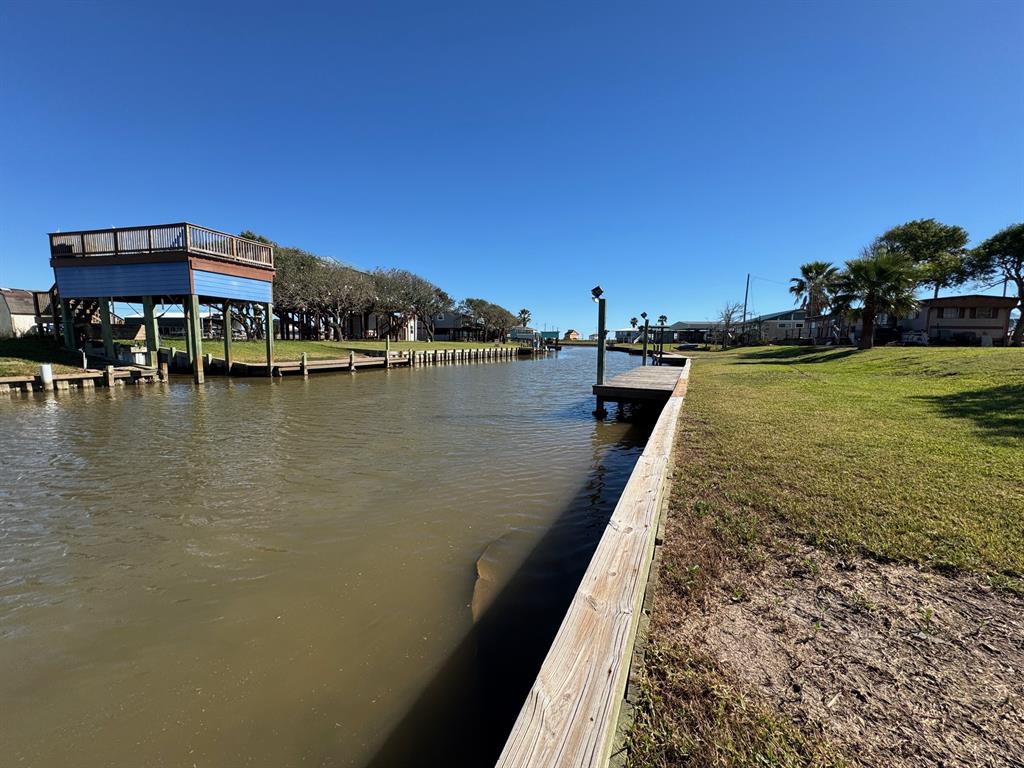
point(598, 295)
point(643, 315)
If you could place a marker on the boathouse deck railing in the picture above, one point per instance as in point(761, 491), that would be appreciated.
point(162, 238)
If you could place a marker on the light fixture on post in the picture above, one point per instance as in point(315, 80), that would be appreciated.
point(597, 293)
point(647, 324)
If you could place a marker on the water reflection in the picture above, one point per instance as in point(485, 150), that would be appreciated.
point(276, 574)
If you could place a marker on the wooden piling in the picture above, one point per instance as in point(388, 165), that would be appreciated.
point(152, 331)
point(228, 325)
point(268, 309)
point(195, 334)
point(108, 376)
point(105, 329)
point(46, 376)
point(303, 369)
point(351, 361)
point(67, 324)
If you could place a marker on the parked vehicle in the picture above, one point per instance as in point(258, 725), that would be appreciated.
point(915, 339)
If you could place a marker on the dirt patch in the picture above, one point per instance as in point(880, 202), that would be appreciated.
point(890, 664)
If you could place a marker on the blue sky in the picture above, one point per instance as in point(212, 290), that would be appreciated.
point(518, 151)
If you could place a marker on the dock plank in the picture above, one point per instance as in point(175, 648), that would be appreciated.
point(650, 382)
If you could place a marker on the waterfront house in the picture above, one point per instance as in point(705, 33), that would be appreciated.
point(173, 324)
point(457, 326)
point(970, 320)
point(684, 331)
point(522, 335)
point(21, 313)
point(626, 335)
point(779, 327)
point(571, 335)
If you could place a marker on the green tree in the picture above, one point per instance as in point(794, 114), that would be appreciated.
point(939, 250)
point(878, 282)
point(814, 288)
point(1001, 257)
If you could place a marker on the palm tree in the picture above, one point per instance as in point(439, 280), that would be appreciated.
point(633, 322)
point(814, 288)
point(880, 281)
point(525, 317)
point(662, 319)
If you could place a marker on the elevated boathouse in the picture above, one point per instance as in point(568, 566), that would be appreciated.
point(158, 265)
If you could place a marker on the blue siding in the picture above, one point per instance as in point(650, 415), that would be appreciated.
point(165, 278)
point(230, 287)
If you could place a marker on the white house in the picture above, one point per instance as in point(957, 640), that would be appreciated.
point(18, 312)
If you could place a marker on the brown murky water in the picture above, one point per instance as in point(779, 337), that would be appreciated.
point(287, 574)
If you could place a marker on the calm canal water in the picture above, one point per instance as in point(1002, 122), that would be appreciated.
point(351, 570)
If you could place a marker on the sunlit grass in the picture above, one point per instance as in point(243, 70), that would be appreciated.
point(900, 453)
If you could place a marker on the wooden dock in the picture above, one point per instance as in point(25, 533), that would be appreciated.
point(649, 382)
point(178, 360)
point(571, 713)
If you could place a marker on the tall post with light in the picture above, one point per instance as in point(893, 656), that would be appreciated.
point(647, 324)
point(596, 292)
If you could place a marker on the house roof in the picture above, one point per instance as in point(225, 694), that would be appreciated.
point(19, 301)
point(777, 315)
point(693, 325)
point(972, 300)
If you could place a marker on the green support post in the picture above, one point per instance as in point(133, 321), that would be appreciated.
point(187, 312)
point(646, 326)
point(228, 325)
point(195, 333)
point(269, 320)
point(152, 331)
point(387, 351)
point(108, 334)
point(600, 341)
point(67, 324)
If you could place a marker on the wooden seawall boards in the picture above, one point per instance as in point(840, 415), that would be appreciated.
point(570, 714)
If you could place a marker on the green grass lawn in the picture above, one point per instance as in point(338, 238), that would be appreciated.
point(900, 453)
point(894, 455)
point(255, 351)
point(23, 356)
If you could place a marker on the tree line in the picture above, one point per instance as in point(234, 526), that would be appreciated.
point(316, 297)
point(887, 276)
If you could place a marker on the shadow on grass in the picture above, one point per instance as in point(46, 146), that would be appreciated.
point(38, 349)
point(802, 355)
point(997, 411)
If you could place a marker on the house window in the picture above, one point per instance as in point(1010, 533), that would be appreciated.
point(783, 325)
point(798, 325)
point(989, 313)
point(952, 312)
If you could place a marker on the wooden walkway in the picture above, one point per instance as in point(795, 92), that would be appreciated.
point(650, 382)
point(570, 715)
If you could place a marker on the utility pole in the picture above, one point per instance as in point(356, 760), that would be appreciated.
point(746, 294)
